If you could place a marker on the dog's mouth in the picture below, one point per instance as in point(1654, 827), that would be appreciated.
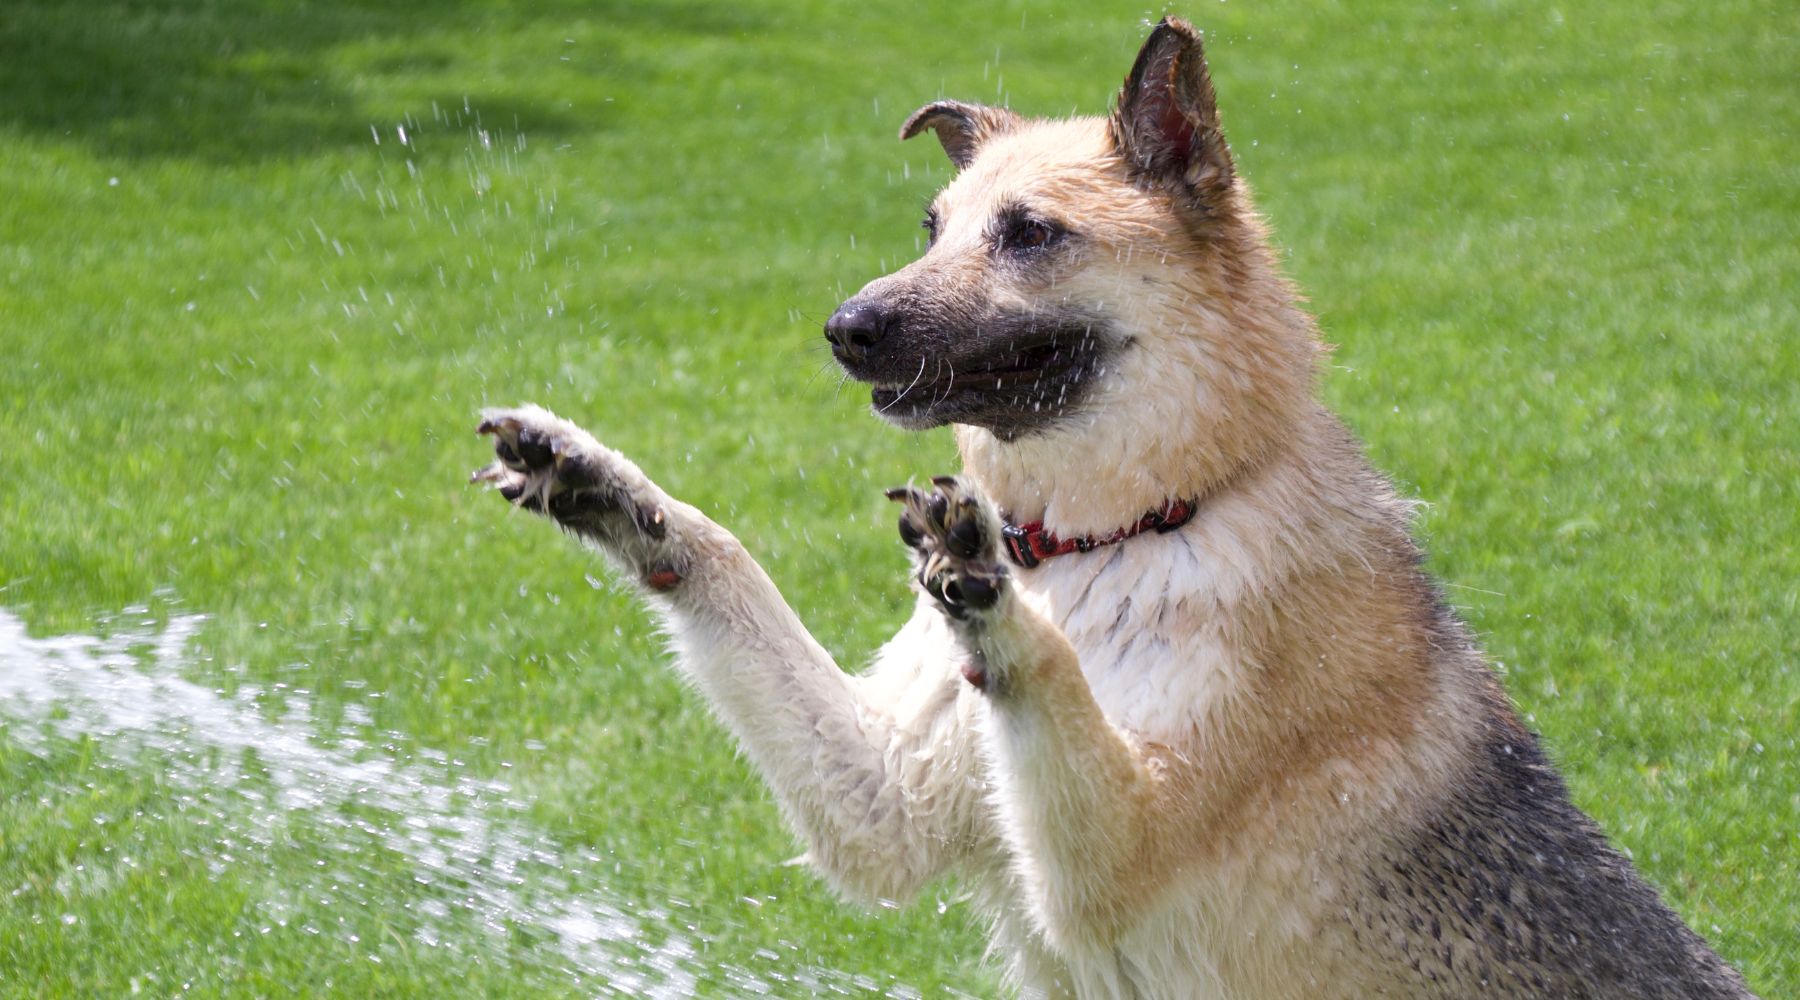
point(1023, 384)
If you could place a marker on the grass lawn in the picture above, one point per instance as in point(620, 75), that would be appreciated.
point(260, 264)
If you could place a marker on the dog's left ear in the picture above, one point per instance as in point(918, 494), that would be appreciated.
point(962, 128)
point(1166, 124)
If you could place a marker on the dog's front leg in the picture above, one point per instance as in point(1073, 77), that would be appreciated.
point(1075, 796)
point(847, 770)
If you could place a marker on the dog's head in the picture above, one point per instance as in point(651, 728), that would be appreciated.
point(1054, 253)
point(1093, 286)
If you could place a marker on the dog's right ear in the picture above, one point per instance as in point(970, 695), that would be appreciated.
point(1166, 124)
point(962, 128)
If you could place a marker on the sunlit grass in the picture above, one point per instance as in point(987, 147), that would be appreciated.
point(246, 325)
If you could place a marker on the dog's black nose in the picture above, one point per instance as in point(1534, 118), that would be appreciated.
point(854, 328)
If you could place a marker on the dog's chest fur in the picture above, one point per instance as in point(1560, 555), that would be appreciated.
point(1151, 621)
point(1140, 614)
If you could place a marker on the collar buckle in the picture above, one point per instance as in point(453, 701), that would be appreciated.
point(1018, 545)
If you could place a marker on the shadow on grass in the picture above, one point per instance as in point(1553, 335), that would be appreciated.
point(246, 80)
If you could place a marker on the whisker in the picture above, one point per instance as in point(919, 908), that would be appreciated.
point(943, 363)
point(822, 369)
point(909, 388)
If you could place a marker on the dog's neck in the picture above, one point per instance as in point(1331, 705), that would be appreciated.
point(1084, 488)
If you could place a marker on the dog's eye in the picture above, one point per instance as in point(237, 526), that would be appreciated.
point(1030, 234)
point(930, 225)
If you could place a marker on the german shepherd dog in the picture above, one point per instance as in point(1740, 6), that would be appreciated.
point(1177, 702)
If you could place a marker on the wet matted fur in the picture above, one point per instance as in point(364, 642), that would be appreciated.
point(1253, 757)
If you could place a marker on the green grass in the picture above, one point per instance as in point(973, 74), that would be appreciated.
point(1557, 247)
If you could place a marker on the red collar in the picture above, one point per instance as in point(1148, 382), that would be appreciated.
point(1030, 544)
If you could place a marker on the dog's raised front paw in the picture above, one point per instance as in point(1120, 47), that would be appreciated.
point(955, 533)
point(542, 460)
point(549, 465)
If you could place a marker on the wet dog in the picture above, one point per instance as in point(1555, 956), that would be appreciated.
point(1177, 702)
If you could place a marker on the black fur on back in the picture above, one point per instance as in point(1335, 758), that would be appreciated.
point(1509, 890)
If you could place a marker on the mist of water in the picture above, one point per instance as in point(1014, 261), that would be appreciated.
point(479, 873)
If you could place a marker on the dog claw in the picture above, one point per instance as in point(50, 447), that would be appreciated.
point(912, 534)
point(954, 608)
point(651, 522)
point(937, 507)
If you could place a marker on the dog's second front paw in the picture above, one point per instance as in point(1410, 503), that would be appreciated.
point(955, 535)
